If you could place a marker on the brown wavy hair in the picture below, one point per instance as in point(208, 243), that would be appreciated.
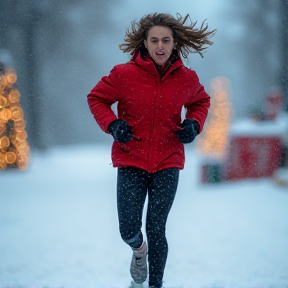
point(188, 39)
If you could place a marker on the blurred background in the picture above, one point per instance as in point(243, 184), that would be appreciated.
point(60, 50)
point(58, 219)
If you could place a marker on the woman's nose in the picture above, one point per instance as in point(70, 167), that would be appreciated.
point(160, 45)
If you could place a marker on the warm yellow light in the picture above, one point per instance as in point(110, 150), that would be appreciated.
point(3, 101)
point(11, 77)
point(2, 128)
point(10, 157)
point(4, 142)
point(14, 96)
point(213, 139)
point(16, 113)
point(5, 115)
point(19, 125)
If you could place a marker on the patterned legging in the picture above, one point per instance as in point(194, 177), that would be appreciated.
point(133, 184)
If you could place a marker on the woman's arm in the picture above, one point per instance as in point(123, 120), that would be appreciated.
point(198, 107)
point(100, 99)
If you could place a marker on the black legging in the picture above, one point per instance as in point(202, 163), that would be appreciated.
point(132, 187)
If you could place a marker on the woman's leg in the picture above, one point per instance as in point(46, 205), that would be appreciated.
point(131, 193)
point(161, 194)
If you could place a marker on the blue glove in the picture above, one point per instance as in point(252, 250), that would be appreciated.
point(190, 129)
point(120, 130)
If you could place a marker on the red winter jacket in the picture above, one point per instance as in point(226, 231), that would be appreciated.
point(152, 106)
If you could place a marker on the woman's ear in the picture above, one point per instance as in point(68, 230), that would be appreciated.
point(145, 43)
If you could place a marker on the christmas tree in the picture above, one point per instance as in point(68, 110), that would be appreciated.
point(14, 148)
point(213, 142)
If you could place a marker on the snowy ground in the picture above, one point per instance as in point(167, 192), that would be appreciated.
point(58, 227)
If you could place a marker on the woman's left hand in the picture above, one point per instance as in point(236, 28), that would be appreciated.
point(190, 129)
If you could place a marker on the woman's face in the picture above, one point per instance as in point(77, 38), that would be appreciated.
point(159, 43)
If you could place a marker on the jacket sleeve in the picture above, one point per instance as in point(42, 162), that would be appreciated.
point(101, 97)
point(198, 107)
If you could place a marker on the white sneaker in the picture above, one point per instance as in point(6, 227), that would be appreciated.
point(138, 268)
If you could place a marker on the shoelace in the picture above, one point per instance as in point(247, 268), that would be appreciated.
point(138, 260)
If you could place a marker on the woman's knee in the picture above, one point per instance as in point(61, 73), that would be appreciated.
point(133, 240)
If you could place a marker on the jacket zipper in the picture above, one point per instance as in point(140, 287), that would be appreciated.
point(151, 149)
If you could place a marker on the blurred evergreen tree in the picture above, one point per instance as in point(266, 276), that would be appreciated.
point(38, 33)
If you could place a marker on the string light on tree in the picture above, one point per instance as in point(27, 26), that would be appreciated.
point(14, 148)
point(214, 139)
